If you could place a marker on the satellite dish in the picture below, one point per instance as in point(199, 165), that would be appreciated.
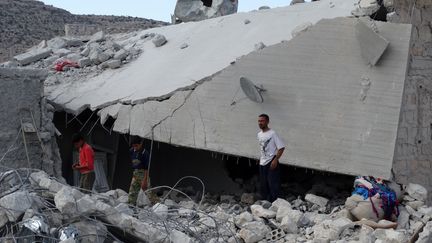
point(252, 91)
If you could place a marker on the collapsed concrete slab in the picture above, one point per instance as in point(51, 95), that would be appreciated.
point(32, 56)
point(322, 132)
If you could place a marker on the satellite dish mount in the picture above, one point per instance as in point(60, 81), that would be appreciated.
point(252, 91)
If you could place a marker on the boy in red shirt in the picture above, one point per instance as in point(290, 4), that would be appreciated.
point(86, 162)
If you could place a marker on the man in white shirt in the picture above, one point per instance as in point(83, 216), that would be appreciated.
point(272, 149)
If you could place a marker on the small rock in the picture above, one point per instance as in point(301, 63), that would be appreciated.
point(425, 236)
point(320, 201)
point(417, 192)
point(184, 46)
point(253, 232)
point(97, 37)
point(86, 51)
point(390, 236)
point(113, 64)
point(415, 204)
point(84, 62)
point(259, 211)
point(160, 210)
point(15, 204)
point(242, 219)
point(279, 203)
point(296, 1)
point(289, 226)
point(247, 21)
point(301, 28)
point(366, 234)
point(121, 55)
point(403, 218)
point(159, 40)
point(263, 8)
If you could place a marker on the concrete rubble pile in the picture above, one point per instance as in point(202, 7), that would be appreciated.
point(34, 206)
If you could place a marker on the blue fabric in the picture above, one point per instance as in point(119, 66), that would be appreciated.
point(140, 159)
point(270, 182)
point(362, 192)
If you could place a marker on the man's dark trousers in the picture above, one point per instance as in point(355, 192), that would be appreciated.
point(270, 182)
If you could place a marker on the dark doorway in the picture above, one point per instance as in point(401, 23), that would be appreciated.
point(207, 3)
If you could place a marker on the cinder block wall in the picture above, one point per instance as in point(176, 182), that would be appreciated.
point(413, 154)
point(21, 91)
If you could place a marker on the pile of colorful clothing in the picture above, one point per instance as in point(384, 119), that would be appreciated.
point(372, 199)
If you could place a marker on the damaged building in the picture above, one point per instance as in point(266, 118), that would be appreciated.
point(347, 93)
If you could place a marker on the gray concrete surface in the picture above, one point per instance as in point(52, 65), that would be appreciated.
point(21, 91)
point(413, 154)
point(372, 44)
point(314, 87)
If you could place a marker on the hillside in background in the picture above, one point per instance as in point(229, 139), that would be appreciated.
point(24, 23)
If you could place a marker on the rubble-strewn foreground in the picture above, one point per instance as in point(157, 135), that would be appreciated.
point(36, 207)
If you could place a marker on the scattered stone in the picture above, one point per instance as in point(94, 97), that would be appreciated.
point(62, 52)
point(161, 210)
point(296, 1)
point(16, 204)
point(243, 218)
point(263, 8)
point(425, 236)
point(247, 21)
point(279, 203)
point(415, 204)
point(184, 46)
point(57, 43)
point(417, 192)
point(254, 232)
point(97, 37)
point(390, 236)
point(84, 62)
point(320, 201)
point(32, 56)
point(121, 55)
point(259, 211)
point(113, 64)
point(159, 40)
point(288, 225)
point(65, 202)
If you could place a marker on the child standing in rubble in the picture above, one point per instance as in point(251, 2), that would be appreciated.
point(140, 162)
point(86, 162)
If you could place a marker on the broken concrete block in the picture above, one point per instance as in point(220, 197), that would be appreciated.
point(264, 8)
point(390, 235)
point(86, 51)
point(74, 57)
point(254, 231)
point(372, 45)
point(32, 56)
point(288, 225)
point(42, 44)
point(259, 46)
point(121, 55)
point(160, 210)
point(301, 28)
point(159, 40)
point(102, 57)
point(16, 204)
point(259, 211)
point(72, 42)
point(279, 203)
point(57, 43)
point(320, 201)
point(65, 202)
point(97, 37)
point(113, 64)
point(330, 230)
point(62, 52)
point(179, 237)
point(426, 235)
point(124, 208)
point(52, 185)
point(85, 205)
point(36, 177)
point(417, 191)
point(84, 62)
point(242, 219)
point(195, 10)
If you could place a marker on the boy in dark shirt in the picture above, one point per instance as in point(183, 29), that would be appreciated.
point(140, 162)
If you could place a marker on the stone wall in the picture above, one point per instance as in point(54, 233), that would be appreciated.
point(22, 102)
point(413, 155)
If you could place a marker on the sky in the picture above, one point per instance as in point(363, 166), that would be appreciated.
point(151, 9)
